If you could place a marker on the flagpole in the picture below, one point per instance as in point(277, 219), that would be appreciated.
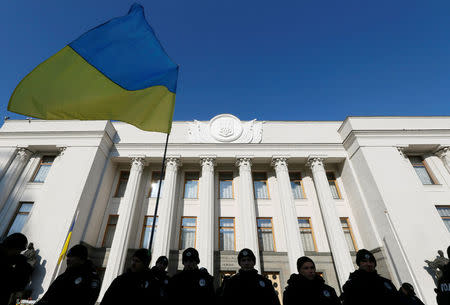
point(161, 177)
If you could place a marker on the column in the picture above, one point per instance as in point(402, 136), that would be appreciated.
point(166, 209)
point(119, 247)
point(206, 217)
point(336, 239)
point(444, 154)
point(12, 174)
point(247, 208)
point(288, 212)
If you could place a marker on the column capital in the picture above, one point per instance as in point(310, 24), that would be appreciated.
point(244, 162)
point(138, 162)
point(23, 153)
point(173, 162)
point(443, 152)
point(280, 162)
point(61, 150)
point(208, 161)
point(401, 150)
point(315, 160)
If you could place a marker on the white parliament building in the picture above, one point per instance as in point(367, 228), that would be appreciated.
point(281, 188)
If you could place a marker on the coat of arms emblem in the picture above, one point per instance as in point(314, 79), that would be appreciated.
point(226, 128)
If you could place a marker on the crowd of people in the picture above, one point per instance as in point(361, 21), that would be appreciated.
point(80, 283)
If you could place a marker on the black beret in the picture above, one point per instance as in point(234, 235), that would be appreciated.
point(190, 254)
point(246, 253)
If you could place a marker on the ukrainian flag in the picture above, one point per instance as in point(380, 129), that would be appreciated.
point(63, 253)
point(116, 71)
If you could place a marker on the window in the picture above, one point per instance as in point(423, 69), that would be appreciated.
point(444, 211)
point(307, 234)
point(348, 234)
point(154, 184)
point(226, 233)
point(43, 169)
point(421, 170)
point(110, 230)
point(20, 218)
point(191, 185)
point(187, 232)
point(265, 234)
point(147, 231)
point(226, 185)
point(122, 184)
point(260, 186)
point(333, 186)
point(297, 185)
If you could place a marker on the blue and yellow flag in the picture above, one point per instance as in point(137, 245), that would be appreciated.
point(116, 71)
point(66, 243)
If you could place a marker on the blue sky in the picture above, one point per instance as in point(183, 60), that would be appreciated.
point(269, 60)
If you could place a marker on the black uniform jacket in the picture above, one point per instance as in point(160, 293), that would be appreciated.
point(132, 288)
point(369, 288)
point(248, 287)
point(443, 289)
point(409, 300)
point(15, 274)
point(162, 282)
point(302, 291)
point(77, 285)
point(191, 287)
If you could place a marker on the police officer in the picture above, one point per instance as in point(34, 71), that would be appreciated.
point(15, 272)
point(134, 286)
point(366, 286)
point(443, 288)
point(408, 295)
point(79, 284)
point(161, 277)
point(191, 286)
point(307, 287)
point(247, 286)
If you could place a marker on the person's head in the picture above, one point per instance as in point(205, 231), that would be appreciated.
point(366, 261)
point(161, 263)
point(15, 243)
point(448, 252)
point(30, 246)
point(190, 259)
point(246, 259)
point(76, 256)
point(140, 260)
point(407, 289)
point(306, 267)
point(441, 253)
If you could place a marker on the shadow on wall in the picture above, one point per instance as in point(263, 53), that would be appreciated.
point(38, 276)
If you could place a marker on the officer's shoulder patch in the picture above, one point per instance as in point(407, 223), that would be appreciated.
point(94, 284)
point(78, 280)
point(388, 285)
point(166, 281)
point(262, 284)
point(326, 293)
point(202, 282)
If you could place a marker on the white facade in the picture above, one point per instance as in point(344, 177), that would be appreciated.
point(375, 187)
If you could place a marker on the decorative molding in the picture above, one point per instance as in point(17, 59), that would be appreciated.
point(225, 128)
point(61, 150)
point(138, 162)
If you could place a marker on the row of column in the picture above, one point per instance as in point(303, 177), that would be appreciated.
point(246, 203)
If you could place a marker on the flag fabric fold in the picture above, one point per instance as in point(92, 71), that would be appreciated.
point(116, 71)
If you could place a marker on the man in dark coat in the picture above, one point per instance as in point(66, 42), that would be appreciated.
point(247, 286)
point(15, 272)
point(136, 285)
point(192, 286)
point(79, 284)
point(161, 278)
point(307, 287)
point(366, 286)
point(443, 287)
point(408, 295)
